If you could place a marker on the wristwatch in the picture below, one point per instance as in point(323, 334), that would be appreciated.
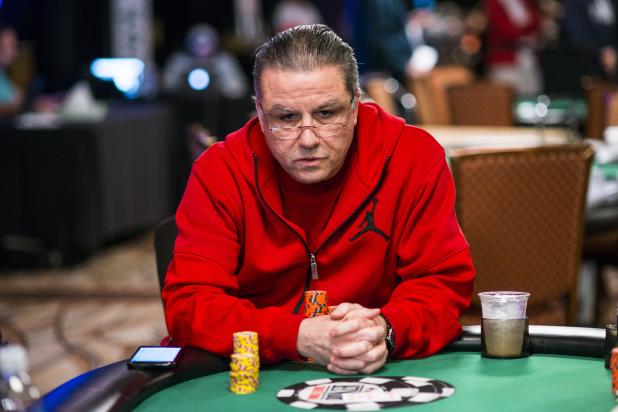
point(389, 339)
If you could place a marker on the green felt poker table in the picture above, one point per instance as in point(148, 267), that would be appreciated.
point(565, 372)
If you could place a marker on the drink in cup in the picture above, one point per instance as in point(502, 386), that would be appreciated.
point(504, 326)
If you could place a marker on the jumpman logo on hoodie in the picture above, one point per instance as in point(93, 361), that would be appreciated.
point(368, 224)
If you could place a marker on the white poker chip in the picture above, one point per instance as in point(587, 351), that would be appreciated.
point(364, 393)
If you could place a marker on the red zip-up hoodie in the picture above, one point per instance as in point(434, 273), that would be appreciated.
point(391, 242)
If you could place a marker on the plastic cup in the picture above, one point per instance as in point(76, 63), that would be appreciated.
point(504, 325)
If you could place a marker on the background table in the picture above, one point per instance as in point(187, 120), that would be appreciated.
point(572, 378)
point(455, 137)
point(78, 185)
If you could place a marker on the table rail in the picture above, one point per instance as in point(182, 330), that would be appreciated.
point(116, 388)
point(557, 340)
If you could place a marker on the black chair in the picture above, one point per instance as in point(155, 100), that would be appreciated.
point(164, 236)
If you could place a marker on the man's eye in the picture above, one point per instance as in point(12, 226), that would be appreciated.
point(287, 118)
point(325, 114)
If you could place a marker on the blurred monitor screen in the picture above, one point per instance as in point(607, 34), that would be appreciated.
point(117, 77)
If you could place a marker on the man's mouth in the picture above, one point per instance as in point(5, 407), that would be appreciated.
point(309, 161)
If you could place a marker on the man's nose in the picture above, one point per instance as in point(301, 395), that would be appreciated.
point(308, 137)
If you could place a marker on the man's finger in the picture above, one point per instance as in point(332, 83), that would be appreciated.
point(350, 326)
point(339, 371)
point(370, 334)
point(374, 366)
point(352, 349)
point(362, 313)
point(351, 364)
point(375, 354)
point(346, 327)
point(342, 310)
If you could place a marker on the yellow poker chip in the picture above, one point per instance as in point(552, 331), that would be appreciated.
point(247, 342)
point(243, 381)
point(244, 362)
point(244, 378)
point(242, 390)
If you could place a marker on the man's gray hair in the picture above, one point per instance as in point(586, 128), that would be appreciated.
point(306, 48)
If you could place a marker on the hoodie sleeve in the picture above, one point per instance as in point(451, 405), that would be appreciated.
point(199, 296)
point(435, 270)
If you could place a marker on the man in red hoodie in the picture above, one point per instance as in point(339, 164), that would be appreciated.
point(319, 192)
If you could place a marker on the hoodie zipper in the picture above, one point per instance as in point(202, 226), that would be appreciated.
point(314, 267)
point(313, 264)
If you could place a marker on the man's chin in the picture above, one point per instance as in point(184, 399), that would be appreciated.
point(309, 177)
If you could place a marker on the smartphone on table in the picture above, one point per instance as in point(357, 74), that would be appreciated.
point(155, 357)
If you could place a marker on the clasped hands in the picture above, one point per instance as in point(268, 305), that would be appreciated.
point(348, 341)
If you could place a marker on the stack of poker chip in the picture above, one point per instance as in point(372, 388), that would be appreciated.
point(316, 303)
point(245, 363)
point(613, 365)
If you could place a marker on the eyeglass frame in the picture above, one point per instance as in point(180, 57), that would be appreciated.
point(315, 129)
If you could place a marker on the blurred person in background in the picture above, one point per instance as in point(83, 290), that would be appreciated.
point(513, 30)
point(11, 97)
point(590, 26)
point(379, 37)
point(220, 69)
point(291, 13)
point(384, 48)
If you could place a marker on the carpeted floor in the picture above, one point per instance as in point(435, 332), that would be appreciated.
point(72, 320)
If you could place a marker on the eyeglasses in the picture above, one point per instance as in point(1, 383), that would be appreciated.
point(326, 127)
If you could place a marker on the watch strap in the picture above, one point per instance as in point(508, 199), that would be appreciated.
point(389, 339)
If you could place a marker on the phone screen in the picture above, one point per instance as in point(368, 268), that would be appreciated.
point(155, 356)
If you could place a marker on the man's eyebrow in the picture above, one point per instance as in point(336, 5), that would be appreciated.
point(327, 105)
point(282, 108)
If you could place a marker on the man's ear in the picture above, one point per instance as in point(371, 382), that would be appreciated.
point(259, 114)
point(357, 97)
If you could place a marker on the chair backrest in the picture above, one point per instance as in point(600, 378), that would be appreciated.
point(481, 104)
point(164, 237)
point(522, 212)
point(430, 92)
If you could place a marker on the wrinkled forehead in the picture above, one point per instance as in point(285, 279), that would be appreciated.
point(303, 89)
point(334, 72)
